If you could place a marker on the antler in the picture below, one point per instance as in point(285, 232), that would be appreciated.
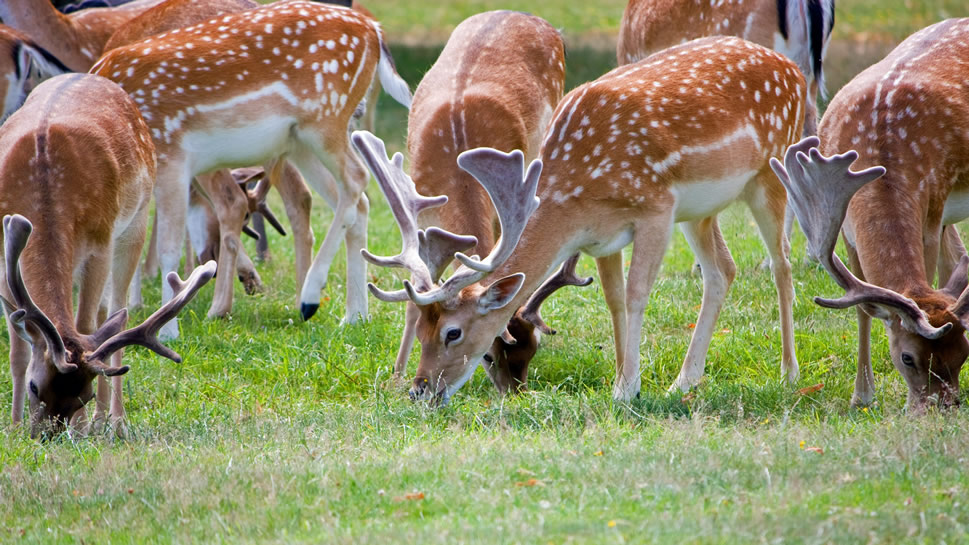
point(512, 191)
point(819, 190)
point(256, 197)
point(424, 253)
point(565, 276)
point(16, 231)
point(146, 334)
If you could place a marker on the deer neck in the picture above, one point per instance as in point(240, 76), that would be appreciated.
point(50, 28)
point(48, 273)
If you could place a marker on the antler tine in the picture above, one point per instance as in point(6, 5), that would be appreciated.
point(419, 253)
point(819, 190)
point(146, 334)
point(565, 276)
point(512, 191)
point(256, 197)
point(16, 231)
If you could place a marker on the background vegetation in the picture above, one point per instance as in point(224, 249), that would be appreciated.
point(273, 430)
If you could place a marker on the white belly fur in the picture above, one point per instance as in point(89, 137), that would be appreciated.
point(701, 199)
point(956, 206)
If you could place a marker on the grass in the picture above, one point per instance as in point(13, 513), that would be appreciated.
point(277, 431)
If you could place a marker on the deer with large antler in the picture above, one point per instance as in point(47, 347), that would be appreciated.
point(800, 29)
point(908, 117)
point(486, 88)
point(94, 236)
point(76, 39)
point(278, 81)
point(674, 138)
point(23, 65)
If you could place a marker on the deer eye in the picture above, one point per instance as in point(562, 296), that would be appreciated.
point(33, 388)
point(452, 335)
point(908, 360)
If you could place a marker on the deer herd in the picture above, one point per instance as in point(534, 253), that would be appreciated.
point(509, 180)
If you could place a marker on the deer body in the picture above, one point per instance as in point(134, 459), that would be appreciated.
point(23, 65)
point(95, 237)
point(799, 29)
point(76, 39)
point(278, 81)
point(910, 114)
point(675, 137)
point(495, 84)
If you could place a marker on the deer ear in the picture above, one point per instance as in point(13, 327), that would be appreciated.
point(500, 293)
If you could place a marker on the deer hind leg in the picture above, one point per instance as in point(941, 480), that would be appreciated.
point(150, 268)
point(864, 392)
point(613, 289)
point(650, 239)
point(356, 240)
point(19, 359)
point(406, 340)
point(95, 276)
point(230, 208)
point(951, 250)
point(768, 206)
point(298, 202)
point(171, 207)
point(718, 270)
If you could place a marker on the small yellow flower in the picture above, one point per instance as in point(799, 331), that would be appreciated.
point(612, 524)
point(597, 453)
point(864, 409)
point(766, 420)
point(802, 444)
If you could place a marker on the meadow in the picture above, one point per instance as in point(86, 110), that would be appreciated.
point(279, 431)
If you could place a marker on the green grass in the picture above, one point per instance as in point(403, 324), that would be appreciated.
point(277, 431)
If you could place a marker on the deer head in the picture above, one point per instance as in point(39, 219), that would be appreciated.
point(926, 330)
point(61, 371)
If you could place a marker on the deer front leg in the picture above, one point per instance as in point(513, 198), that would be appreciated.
point(230, 208)
point(19, 359)
point(650, 240)
point(94, 279)
point(406, 340)
point(718, 270)
point(356, 282)
point(864, 392)
point(613, 289)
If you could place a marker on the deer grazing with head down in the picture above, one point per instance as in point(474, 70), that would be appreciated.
point(800, 29)
point(496, 83)
point(280, 81)
point(674, 138)
point(76, 39)
point(908, 118)
point(23, 65)
point(82, 136)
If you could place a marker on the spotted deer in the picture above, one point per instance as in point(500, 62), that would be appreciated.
point(800, 29)
point(496, 83)
point(95, 237)
point(280, 81)
point(908, 118)
point(76, 39)
point(673, 138)
point(23, 65)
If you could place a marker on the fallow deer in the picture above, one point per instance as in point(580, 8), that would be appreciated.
point(496, 83)
point(908, 117)
point(82, 136)
point(23, 65)
point(280, 81)
point(76, 39)
point(673, 138)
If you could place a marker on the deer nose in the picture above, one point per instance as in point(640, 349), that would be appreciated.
point(419, 388)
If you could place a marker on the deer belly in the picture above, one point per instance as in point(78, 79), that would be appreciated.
point(239, 145)
point(956, 206)
point(700, 199)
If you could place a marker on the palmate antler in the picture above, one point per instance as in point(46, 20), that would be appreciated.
point(819, 190)
point(565, 276)
point(426, 254)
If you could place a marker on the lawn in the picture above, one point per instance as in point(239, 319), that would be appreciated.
point(278, 431)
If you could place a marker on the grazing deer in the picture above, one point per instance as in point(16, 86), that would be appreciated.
point(673, 138)
point(280, 81)
point(496, 83)
point(908, 117)
point(23, 65)
point(76, 39)
point(799, 29)
point(82, 136)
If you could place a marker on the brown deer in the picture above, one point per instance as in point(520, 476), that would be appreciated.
point(673, 138)
point(800, 29)
point(76, 39)
point(280, 81)
point(95, 236)
point(23, 65)
point(908, 117)
point(496, 83)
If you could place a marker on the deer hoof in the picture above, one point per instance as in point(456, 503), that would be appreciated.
point(307, 310)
